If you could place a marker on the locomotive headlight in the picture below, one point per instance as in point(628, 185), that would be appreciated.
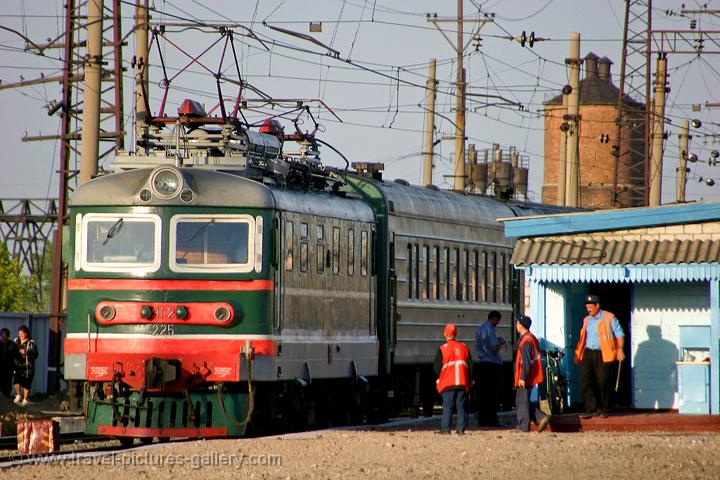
point(146, 312)
point(166, 183)
point(107, 312)
point(181, 312)
point(222, 314)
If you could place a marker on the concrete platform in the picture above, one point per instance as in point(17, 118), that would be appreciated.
point(637, 421)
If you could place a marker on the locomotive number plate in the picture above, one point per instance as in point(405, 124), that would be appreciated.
point(162, 329)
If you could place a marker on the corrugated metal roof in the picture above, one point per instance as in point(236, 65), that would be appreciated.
point(545, 251)
point(623, 273)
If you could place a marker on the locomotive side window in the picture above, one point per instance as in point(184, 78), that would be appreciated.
point(416, 267)
point(289, 244)
point(320, 248)
point(304, 257)
point(212, 242)
point(351, 252)
point(120, 243)
point(363, 253)
point(336, 251)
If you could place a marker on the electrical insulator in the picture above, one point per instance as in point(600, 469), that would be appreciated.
point(709, 182)
point(604, 138)
point(693, 24)
point(567, 89)
point(691, 157)
point(696, 123)
point(715, 154)
point(523, 38)
point(564, 127)
point(531, 40)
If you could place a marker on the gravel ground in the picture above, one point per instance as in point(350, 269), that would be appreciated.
point(406, 451)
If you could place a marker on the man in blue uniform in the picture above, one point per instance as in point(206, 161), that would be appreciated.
point(489, 370)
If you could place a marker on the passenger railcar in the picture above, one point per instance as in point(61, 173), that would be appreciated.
point(217, 286)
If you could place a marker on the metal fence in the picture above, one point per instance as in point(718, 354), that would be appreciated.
point(39, 325)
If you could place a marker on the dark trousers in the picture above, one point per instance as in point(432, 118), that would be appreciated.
point(5, 383)
point(595, 376)
point(488, 391)
point(453, 399)
point(526, 409)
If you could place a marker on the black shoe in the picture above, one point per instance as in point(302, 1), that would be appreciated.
point(461, 432)
point(587, 415)
point(604, 414)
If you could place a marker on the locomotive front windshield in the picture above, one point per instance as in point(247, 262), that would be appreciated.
point(212, 242)
point(114, 242)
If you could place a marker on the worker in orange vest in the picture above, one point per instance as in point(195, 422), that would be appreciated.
point(453, 364)
point(601, 343)
point(528, 373)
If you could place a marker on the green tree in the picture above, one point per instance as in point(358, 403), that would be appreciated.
point(17, 291)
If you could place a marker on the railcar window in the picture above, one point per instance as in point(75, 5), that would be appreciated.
point(118, 242)
point(211, 242)
point(409, 270)
point(303, 230)
point(447, 274)
point(289, 244)
point(320, 233)
point(493, 272)
point(336, 251)
point(351, 252)
point(426, 272)
point(485, 277)
point(468, 283)
point(457, 287)
point(304, 257)
point(476, 275)
point(503, 278)
point(416, 292)
point(363, 253)
point(436, 283)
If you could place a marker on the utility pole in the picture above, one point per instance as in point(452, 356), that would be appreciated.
point(682, 162)
point(562, 168)
point(91, 101)
point(459, 179)
point(142, 68)
point(428, 152)
point(658, 132)
point(573, 117)
point(459, 47)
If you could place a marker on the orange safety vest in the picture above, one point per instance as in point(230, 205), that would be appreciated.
point(608, 343)
point(454, 373)
point(536, 374)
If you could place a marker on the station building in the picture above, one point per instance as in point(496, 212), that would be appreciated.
point(657, 269)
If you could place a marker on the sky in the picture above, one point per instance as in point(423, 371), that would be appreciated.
point(375, 85)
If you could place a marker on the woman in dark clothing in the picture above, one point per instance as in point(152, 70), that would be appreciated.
point(25, 366)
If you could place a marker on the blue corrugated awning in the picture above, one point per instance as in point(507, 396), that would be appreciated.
point(607, 220)
point(623, 273)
